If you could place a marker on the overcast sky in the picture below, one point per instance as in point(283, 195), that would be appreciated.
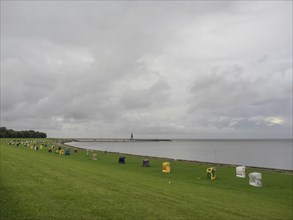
point(216, 69)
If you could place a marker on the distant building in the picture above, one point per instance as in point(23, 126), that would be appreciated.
point(131, 136)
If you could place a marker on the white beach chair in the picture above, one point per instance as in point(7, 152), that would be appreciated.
point(255, 179)
point(240, 171)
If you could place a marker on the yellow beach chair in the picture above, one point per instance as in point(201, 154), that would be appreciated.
point(166, 167)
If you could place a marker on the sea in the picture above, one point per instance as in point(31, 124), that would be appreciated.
point(276, 153)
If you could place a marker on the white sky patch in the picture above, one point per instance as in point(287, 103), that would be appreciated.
point(232, 123)
point(274, 120)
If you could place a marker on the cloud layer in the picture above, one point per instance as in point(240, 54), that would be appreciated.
point(157, 69)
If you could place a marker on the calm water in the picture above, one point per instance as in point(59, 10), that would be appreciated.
point(259, 153)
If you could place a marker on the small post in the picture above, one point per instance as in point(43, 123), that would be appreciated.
point(215, 155)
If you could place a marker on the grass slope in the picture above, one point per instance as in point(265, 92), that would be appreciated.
point(42, 185)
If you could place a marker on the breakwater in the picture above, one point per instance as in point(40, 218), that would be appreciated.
point(117, 140)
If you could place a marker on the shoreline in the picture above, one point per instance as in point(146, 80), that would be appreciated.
point(189, 161)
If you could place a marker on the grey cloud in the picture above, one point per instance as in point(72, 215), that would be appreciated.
point(228, 100)
point(154, 95)
point(239, 86)
point(221, 90)
point(101, 68)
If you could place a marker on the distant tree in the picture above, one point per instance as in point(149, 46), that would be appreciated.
point(43, 135)
point(4, 133)
point(26, 134)
point(12, 133)
point(20, 134)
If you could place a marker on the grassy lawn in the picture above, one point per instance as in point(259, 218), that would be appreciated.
point(42, 185)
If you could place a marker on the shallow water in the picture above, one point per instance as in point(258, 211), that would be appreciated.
point(259, 153)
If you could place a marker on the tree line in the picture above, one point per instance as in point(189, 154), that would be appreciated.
point(9, 133)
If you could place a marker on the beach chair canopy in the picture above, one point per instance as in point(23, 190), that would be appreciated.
point(255, 179)
point(94, 156)
point(240, 171)
point(166, 167)
point(67, 152)
point(122, 160)
point(145, 163)
point(211, 173)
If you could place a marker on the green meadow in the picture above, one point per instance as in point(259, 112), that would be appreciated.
point(42, 185)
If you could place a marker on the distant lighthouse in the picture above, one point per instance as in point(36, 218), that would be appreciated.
point(131, 136)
